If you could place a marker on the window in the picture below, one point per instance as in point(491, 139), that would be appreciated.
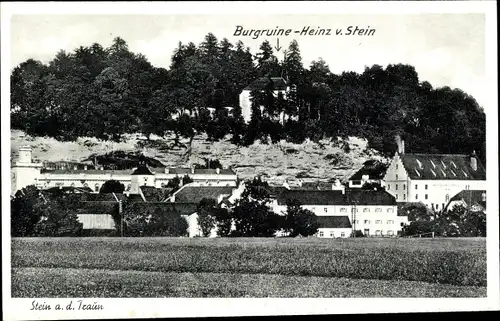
point(437, 206)
point(388, 187)
point(397, 167)
point(390, 232)
point(366, 232)
point(97, 187)
point(128, 187)
point(326, 209)
point(366, 210)
point(356, 221)
point(397, 179)
point(426, 196)
point(390, 222)
point(367, 221)
point(404, 186)
point(390, 210)
point(404, 196)
point(342, 234)
point(378, 221)
point(332, 234)
point(343, 209)
point(321, 234)
point(397, 196)
point(378, 232)
point(416, 196)
point(447, 197)
point(396, 187)
point(378, 210)
point(416, 186)
point(425, 186)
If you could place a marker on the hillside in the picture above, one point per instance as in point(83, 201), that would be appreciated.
point(277, 162)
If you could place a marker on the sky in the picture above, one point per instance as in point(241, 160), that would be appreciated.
point(445, 49)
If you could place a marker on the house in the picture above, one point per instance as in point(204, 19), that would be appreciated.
point(334, 226)
point(372, 172)
point(473, 200)
point(191, 195)
point(433, 178)
point(372, 212)
point(26, 172)
point(279, 84)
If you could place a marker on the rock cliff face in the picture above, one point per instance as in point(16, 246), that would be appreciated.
point(308, 161)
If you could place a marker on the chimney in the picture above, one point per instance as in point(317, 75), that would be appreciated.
point(217, 170)
point(473, 161)
point(300, 182)
point(402, 147)
point(192, 169)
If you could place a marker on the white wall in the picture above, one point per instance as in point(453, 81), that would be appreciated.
point(334, 232)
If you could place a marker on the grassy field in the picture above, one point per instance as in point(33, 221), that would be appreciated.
point(168, 267)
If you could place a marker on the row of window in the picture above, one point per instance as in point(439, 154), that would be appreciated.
point(365, 210)
point(404, 186)
point(366, 233)
point(376, 222)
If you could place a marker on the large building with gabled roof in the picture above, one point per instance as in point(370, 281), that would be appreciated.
point(27, 172)
point(433, 179)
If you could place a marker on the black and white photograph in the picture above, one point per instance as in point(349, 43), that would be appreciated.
point(210, 151)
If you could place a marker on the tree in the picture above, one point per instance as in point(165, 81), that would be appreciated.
point(58, 216)
point(146, 219)
point(267, 63)
point(25, 211)
point(112, 186)
point(223, 221)
point(186, 179)
point(174, 183)
point(299, 221)
point(206, 216)
point(255, 219)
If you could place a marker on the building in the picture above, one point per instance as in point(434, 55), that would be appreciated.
point(372, 172)
point(374, 213)
point(473, 200)
point(433, 178)
point(26, 172)
point(279, 84)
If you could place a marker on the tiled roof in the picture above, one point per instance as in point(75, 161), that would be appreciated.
point(471, 197)
point(96, 207)
point(194, 194)
point(142, 170)
point(94, 197)
point(135, 198)
point(442, 167)
point(87, 171)
point(334, 222)
point(82, 190)
point(351, 196)
point(168, 208)
point(261, 83)
point(188, 171)
point(153, 194)
point(374, 170)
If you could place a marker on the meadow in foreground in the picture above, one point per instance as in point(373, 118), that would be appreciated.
point(157, 267)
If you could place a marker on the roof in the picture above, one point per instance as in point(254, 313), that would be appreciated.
point(153, 194)
point(333, 222)
point(314, 186)
point(275, 191)
point(83, 190)
point(142, 170)
point(178, 171)
point(135, 198)
point(167, 208)
point(194, 194)
point(184, 171)
point(260, 83)
point(442, 167)
point(336, 197)
point(471, 197)
point(374, 170)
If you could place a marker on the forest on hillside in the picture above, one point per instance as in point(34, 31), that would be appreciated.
point(108, 92)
